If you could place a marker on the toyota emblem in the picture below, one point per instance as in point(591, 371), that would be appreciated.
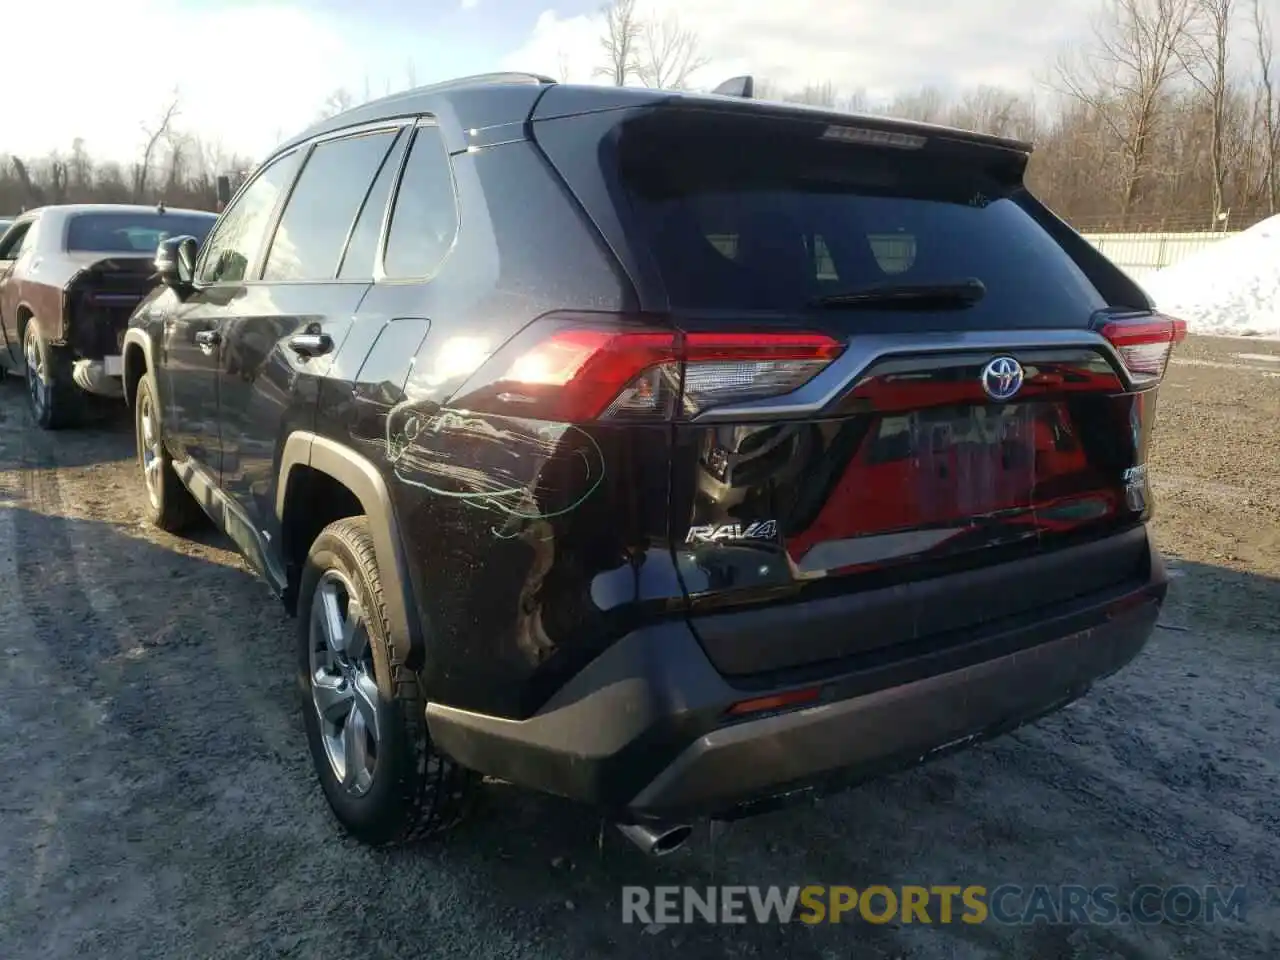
point(1002, 378)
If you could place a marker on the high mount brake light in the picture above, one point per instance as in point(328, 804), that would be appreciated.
point(1144, 344)
point(575, 369)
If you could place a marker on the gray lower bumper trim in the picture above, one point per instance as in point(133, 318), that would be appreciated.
point(755, 757)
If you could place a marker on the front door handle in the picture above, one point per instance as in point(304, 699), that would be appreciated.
point(206, 340)
point(309, 345)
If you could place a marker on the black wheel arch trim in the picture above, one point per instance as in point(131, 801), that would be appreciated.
point(362, 478)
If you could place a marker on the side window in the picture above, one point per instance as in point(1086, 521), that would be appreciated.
point(425, 219)
point(323, 205)
point(16, 241)
point(239, 235)
point(357, 263)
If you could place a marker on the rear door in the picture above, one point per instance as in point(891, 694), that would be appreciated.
point(276, 350)
point(894, 374)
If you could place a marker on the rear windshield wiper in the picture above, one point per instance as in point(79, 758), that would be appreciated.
point(913, 296)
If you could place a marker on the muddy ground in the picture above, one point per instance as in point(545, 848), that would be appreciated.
point(159, 800)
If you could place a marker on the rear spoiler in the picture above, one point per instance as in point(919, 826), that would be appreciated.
point(738, 94)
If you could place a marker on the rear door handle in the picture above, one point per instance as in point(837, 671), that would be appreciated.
point(308, 345)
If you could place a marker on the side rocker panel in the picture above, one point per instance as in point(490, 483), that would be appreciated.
point(362, 478)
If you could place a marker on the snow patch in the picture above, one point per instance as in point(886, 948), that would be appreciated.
point(1230, 289)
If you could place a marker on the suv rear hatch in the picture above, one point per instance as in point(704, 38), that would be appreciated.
point(898, 371)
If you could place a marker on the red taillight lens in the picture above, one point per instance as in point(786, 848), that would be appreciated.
point(1144, 344)
point(580, 369)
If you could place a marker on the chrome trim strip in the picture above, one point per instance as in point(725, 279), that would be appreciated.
point(863, 351)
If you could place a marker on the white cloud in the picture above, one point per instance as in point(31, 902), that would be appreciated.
point(880, 46)
point(247, 76)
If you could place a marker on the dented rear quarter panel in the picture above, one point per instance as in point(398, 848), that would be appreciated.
point(531, 545)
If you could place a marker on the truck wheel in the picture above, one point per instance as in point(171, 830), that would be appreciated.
point(363, 709)
point(52, 396)
point(169, 504)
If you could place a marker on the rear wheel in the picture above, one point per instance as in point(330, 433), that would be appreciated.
point(52, 396)
point(169, 504)
point(363, 709)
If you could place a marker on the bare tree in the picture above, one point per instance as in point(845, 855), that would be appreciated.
point(154, 134)
point(1125, 78)
point(816, 95)
point(856, 102)
point(1266, 103)
point(1204, 56)
point(928, 104)
point(178, 163)
point(35, 195)
point(622, 28)
point(667, 54)
point(562, 66)
point(339, 100)
point(995, 111)
point(80, 167)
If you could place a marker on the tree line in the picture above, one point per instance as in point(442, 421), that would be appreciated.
point(1167, 119)
point(175, 166)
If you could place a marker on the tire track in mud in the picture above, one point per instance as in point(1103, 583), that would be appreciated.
point(168, 753)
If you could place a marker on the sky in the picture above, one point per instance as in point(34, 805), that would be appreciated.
point(250, 73)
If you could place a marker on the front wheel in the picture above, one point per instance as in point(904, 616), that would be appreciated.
point(52, 396)
point(169, 504)
point(363, 709)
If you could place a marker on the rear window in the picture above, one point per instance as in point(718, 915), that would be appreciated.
point(131, 232)
point(757, 215)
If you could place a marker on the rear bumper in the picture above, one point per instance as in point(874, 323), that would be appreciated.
point(644, 733)
point(99, 377)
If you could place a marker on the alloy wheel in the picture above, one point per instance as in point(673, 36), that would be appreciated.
point(149, 443)
point(343, 690)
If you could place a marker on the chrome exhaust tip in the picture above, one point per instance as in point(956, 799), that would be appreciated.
point(657, 840)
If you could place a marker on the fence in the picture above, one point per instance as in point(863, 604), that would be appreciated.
point(1141, 253)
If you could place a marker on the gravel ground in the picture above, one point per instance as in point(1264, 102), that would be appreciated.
point(161, 802)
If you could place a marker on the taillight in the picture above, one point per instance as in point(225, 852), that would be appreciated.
point(577, 368)
point(1144, 344)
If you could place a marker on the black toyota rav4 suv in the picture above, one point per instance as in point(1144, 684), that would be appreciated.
point(676, 454)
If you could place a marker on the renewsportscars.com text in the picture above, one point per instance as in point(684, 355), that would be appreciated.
point(938, 904)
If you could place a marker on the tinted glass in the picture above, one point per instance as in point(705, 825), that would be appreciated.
point(11, 244)
point(236, 242)
point(318, 215)
point(753, 219)
point(425, 220)
point(132, 232)
point(363, 248)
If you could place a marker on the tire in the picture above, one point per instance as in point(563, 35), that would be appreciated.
point(169, 504)
point(53, 398)
point(385, 782)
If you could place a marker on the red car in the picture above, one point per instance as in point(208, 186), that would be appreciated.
point(70, 277)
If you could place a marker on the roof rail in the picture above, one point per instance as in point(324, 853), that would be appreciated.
point(744, 87)
point(479, 79)
point(510, 76)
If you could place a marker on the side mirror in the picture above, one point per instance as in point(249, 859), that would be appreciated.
point(176, 262)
